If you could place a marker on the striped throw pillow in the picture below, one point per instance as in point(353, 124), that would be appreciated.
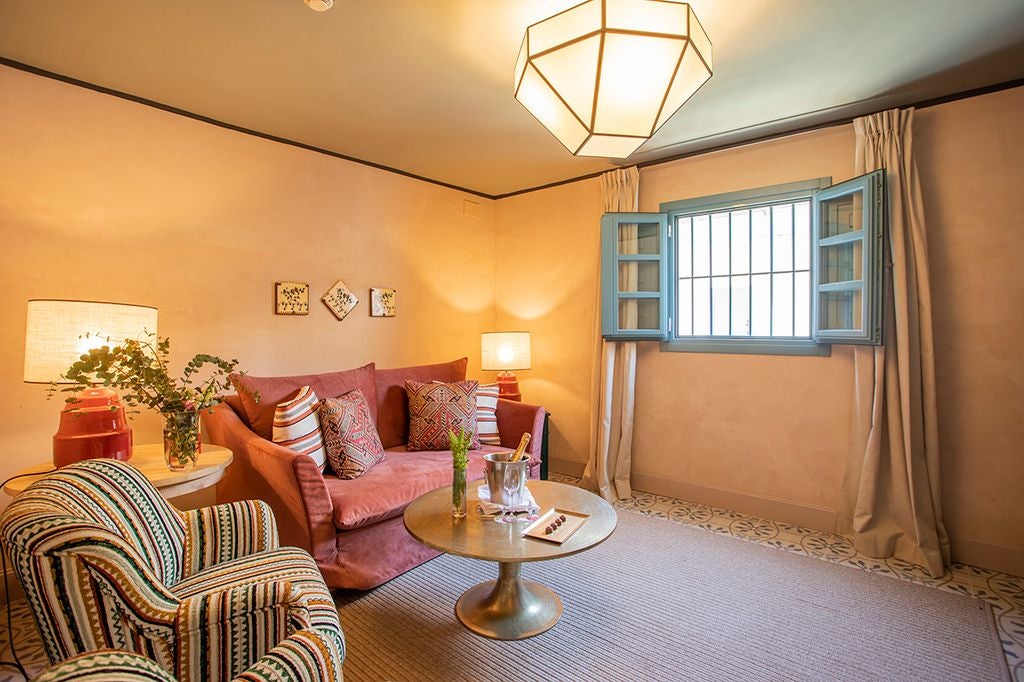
point(297, 426)
point(487, 414)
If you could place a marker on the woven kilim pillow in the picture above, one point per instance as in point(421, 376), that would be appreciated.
point(297, 426)
point(350, 436)
point(434, 409)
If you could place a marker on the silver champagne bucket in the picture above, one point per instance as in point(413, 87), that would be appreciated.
point(498, 471)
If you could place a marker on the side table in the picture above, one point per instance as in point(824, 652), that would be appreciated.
point(149, 459)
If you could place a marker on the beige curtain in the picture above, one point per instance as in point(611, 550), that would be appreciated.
point(891, 499)
point(614, 374)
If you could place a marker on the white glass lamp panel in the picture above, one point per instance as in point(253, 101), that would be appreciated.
point(701, 246)
point(691, 74)
point(782, 304)
point(611, 146)
point(720, 316)
point(563, 27)
point(760, 305)
point(720, 244)
point(702, 306)
point(684, 260)
point(740, 239)
point(760, 240)
point(636, 72)
point(572, 72)
point(782, 237)
point(521, 62)
point(659, 16)
point(802, 235)
point(802, 304)
point(740, 325)
point(700, 40)
point(684, 308)
point(539, 99)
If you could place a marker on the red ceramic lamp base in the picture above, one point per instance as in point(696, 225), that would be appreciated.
point(94, 426)
point(508, 387)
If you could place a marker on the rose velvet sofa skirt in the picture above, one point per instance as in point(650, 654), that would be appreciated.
point(353, 528)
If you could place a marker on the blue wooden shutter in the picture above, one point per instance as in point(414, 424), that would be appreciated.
point(848, 222)
point(634, 276)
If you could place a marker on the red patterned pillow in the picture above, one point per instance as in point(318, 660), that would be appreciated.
point(434, 409)
point(350, 436)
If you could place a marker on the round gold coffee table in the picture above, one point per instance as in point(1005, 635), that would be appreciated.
point(509, 607)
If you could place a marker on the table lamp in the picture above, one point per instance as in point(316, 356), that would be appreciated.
point(57, 334)
point(505, 351)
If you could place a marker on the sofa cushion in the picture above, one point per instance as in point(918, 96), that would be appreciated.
point(387, 489)
point(297, 426)
point(259, 416)
point(487, 414)
point(436, 409)
point(392, 403)
point(353, 446)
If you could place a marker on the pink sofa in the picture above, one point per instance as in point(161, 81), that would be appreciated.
point(352, 528)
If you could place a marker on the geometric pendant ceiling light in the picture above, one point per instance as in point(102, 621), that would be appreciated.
point(604, 75)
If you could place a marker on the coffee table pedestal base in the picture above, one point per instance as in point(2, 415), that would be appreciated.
point(509, 607)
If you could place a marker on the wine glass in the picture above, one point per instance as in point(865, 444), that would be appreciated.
point(512, 485)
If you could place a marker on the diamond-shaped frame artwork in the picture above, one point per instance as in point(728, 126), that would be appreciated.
point(383, 302)
point(340, 300)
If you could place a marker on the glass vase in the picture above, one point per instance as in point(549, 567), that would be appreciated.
point(181, 440)
point(459, 493)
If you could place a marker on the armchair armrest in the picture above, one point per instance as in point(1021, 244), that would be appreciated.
point(227, 531)
point(515, 419)
point(288, 481)
point(222, 633)
point(307, 656)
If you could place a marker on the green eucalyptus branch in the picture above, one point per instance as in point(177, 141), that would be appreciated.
point(139, 369)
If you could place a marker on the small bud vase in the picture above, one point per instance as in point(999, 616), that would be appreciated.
point(181, 440)
point(459, 492)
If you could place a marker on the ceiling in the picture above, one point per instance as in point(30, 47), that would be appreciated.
point(425, 86)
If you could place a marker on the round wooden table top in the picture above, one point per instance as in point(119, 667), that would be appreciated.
point(429, 520)
point(149, 459)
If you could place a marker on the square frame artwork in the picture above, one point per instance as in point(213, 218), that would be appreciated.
point(291, 298)
point(383, 302)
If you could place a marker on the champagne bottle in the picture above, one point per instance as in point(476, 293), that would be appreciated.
point(520, 452)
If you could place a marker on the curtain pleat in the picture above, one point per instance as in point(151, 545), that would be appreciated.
point(614, 377)
point(891, 497)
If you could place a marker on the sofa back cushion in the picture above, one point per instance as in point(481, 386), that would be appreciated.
point(273, 390)
point(393, 403)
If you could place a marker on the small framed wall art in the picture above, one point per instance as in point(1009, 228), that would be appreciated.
point(383, 302)
point(340, 300)
point(291, 298)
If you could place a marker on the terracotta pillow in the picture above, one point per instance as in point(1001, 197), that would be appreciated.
point(393, 403)
point(436, 408)
point(297, 426)
point(274, 390)
point(350, 436)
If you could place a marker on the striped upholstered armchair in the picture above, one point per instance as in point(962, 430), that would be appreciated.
point(106, 563)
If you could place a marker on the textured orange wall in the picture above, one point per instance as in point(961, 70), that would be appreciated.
point(104, 199)
point(776, 427)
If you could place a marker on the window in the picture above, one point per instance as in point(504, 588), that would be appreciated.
point(784, 269)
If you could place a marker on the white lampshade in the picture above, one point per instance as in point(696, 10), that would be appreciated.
point(604, 75)
point(505, 350)
point(55, 333)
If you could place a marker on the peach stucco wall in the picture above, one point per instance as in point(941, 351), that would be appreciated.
point(772, 427)
point(103, 199)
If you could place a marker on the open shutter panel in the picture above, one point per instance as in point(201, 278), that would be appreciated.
point(634, 276)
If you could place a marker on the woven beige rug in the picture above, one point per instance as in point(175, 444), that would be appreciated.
point(663, 601)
